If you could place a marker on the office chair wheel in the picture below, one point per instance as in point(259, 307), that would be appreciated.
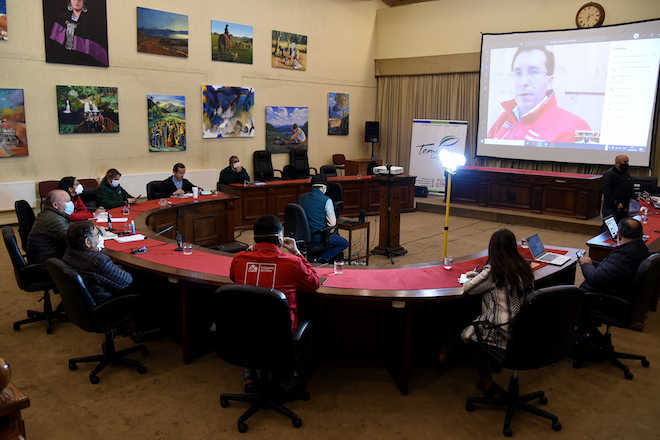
point(17, 327)
point(507, 431)
point(628, 375)
point(94, 379)
point(297, 423)
point(646, 363)
point(556, 426)
point(469, 407)
point(73, 366)
point(31, 313)
point(543, 400)
point(242, 427)
point(141, 370)
point(224, 402)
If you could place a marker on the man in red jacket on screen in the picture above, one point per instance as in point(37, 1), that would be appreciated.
point(265, 265)
point(534, 114)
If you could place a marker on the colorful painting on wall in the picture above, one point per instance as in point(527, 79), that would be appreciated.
point(227, 112)
point(289, 51)
point(162, 33)
point(13, 135)
point(231, 42)
point(87, 109)
point(167, 123)
point(76, 32)
point(287, 128)
point(338, 111)
point(3, 19)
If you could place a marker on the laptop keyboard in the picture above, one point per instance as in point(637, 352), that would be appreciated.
point(547, 258)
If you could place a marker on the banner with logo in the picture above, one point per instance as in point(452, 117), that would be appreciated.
point(429, 137)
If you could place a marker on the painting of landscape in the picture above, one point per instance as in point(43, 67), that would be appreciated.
point(338, 113)
point(3, 19)
point(231, 42)
point(289, 51)
point(87, 109)
point(167, 123)
point(13, 136)
point(162, 33)
point(227, 112)
point(287, 128)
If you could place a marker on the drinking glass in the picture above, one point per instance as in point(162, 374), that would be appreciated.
point(187, 248)
point(339, 267)
point(127, 210)
point(448, 263)
point(523, 244)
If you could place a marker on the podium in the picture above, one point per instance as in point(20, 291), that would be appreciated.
point(391, 191)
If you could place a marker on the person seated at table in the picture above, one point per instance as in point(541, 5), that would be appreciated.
point(504, 282)
point(292, 272)
point(80, 212)
point(103, 278)
point(234, 173)
point(616, 272)
point(176, 184)
point(320, 213)
point(110, 194)
point(47, 239)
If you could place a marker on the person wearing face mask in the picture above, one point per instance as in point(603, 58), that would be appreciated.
point(266, 265)
point(102, 277)
point(320, 213)
point(617, 189)
point(47, 238)
point(110, 194)
point(80, 212)
point(234, 173)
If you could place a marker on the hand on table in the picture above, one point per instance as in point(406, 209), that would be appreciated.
point(178, 191)
point(131, 200)
point(471, 274)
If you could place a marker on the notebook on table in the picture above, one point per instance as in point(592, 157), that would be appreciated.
point(540, 254)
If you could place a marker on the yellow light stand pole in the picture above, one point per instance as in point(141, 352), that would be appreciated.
point(444, 247)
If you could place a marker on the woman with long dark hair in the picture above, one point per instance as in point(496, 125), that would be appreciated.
point(504, 282)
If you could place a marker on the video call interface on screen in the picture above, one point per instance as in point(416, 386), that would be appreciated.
point(570, 96)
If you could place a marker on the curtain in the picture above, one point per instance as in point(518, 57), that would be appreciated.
point(454, 96)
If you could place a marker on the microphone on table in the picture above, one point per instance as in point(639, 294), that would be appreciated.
point(179, 242)
point(110, 223)
point(143, 249)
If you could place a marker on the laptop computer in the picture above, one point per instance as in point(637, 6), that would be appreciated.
point(633, 206)
point(539, 253)
point(612, 227)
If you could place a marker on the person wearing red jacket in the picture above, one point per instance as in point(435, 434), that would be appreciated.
point(534, 114)
point(80, 212)
point(265, 265)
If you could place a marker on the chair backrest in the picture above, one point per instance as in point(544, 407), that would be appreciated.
point(76, 299)
point(338, 159)
point(253, 327)
point(300, 162)
point(44, 187)
point(25, 216)
point(296, 224)
point(153, 190)
point(328, 170)
point(263, 165)
point(89, 183)
point(542, 332)
point(17, 260)
point(645, 288)
point(336, 193)
point(289, 172)
point(370, 167)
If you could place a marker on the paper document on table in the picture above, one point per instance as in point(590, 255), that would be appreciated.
point(107, 235)
point(129, 238)
point(463, 279)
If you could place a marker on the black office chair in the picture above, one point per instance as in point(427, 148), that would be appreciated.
point(299, 161)
point(154, 190)
point(336, 194)
point(263, 166)
point(107, 317)
point(289, 173)
point(253, 330)
point(370, 167)
point(25, 217)
point(296, 226)
point(616, 311)
point(339, 161)
point(31, 278)
point(328, 171)
point(540, 334)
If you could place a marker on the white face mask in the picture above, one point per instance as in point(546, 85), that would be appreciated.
point(99, 245)
point(236, 165)
point(68, 208)
point(79, 189)
point(115, 183)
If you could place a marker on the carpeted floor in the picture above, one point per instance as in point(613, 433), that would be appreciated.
point(349, 399)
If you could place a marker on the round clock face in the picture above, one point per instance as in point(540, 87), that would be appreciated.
point(590, 15)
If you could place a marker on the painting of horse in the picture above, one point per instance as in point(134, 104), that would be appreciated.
point(231, 42)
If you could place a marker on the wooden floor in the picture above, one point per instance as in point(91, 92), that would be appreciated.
point(349, 399)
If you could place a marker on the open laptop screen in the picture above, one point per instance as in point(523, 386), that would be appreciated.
point(612, 227)
point(535, 245)
point(633, 206)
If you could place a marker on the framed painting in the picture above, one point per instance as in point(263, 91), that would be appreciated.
point(13, 134)
point(162, 33)
point(87, 109)
point(287, 128)
point(338, 111)
point(227, 112)
point(166, 123)
point(289, 51)
point(231, 42)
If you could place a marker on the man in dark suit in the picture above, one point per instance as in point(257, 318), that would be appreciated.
point(234, 173)
point(47, 239)
point(617, 189)
point(176, 184)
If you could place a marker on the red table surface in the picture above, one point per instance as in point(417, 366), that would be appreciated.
point(651, 228)
point(534, 172)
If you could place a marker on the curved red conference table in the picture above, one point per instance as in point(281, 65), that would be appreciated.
point(402, 286)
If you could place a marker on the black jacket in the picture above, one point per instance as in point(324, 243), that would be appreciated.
point(167, 188)
point(617, 188)
point(616, 273)
point(47, 238)
point(229, 176)
point(101, 276)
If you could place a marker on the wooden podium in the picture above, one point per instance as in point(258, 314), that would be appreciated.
point(391, 188)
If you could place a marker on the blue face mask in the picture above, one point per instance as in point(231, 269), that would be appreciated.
point(115, 183)
point(68, 208)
